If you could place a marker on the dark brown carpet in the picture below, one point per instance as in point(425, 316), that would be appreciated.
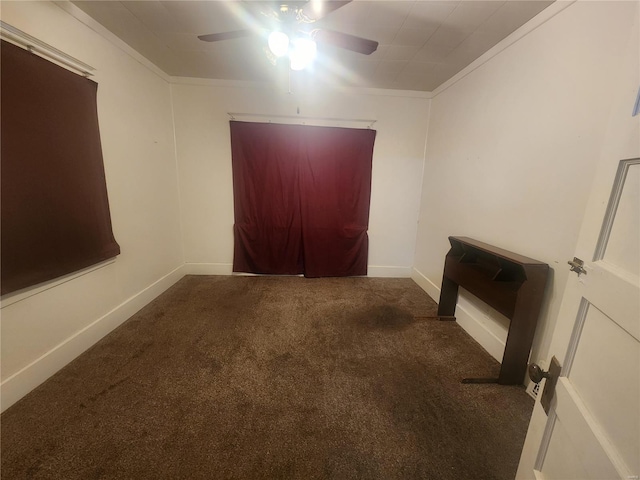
point(273, 377)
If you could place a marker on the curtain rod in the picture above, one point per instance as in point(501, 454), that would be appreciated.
point(369, 122)
point(34, 45)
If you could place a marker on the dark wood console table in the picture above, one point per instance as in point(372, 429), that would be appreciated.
point(512, 284)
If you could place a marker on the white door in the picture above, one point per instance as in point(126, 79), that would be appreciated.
point(593, 427)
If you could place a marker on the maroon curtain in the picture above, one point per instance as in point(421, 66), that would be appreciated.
point(266, 199)
point(301, 197)
point(55, 212)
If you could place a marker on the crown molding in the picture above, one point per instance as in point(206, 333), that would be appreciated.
point(210, 82)
point(82, 17)
point(34, 45)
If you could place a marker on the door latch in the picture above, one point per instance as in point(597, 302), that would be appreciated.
point(577, 266)
point(536, 374)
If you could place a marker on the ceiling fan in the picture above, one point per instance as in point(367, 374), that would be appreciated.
point(288, 25)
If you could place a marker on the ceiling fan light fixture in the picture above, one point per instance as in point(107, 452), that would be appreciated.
point(302, 54)
point(278, 43)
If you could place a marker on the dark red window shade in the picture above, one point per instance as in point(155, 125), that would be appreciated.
point(54, 209)
point(301, 198)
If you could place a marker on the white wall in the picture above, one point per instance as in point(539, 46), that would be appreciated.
point(512, 149)
point(42, 332)
point(204, 157)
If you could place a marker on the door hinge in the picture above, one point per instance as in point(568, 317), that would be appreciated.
point(577, 266)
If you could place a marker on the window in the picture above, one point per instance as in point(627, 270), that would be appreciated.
point(55, 215)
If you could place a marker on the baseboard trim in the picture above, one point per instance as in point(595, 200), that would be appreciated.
point(208, 269)
point(22, 382)
point(427, 285)
point(466, 316)
point(227, 269)
point(388, 271)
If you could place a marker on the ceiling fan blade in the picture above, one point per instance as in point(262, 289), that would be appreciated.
point(344, 40)
point(216, 37)
point(316, 9)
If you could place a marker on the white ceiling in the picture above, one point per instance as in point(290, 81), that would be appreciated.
point(423, 43)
